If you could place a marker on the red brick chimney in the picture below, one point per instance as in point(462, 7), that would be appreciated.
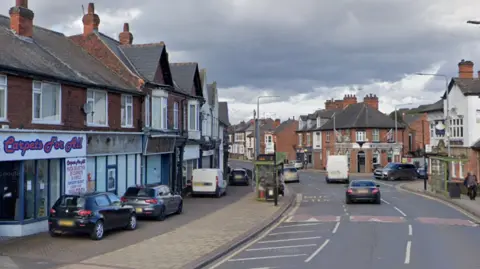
point(90, 20)
point(125, 37)
point(371, 100)
point(349, 99)
point(465, 69)
point(21, 18)
point(277, 123)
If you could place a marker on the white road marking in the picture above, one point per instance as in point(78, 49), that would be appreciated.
point(317, 251)
point(407, 252)
point(298, 225)
point(400, 211)
point(290, 239)
point(335, 228)
point(292, 232)
point(410, 230)
point(266, 257)
point(251, 243)
point(385, 201)
point(282, 247)
point(264, 268)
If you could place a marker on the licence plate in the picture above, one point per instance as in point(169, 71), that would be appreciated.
point(67, 223)
point(198, 184)
point(362, 191)
point(138, 210)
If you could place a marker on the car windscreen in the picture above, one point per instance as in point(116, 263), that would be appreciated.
point(70, 201)
point(140, 192)
point(290, 170)
point(391, 165)
point(363, 184)
point(238, 173)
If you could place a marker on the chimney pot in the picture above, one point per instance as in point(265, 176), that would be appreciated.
point(21, 19)
point(21, 3)
point(91, 8)
point(126, 38)
point(90, 20)
point(465, 69)
point(126, 27)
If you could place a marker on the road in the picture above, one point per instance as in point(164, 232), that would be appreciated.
point(405, 231)
point(40, 251)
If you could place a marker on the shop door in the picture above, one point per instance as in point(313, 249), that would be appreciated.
point(206, 162)
point(361, 162)
point(165, 164)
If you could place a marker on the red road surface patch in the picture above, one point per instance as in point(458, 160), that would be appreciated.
point(382, 219)
point(310, 218)
point(443, 221)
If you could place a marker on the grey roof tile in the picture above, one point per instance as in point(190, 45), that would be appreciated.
point(184, 75)
point(360, 116)
point(437, 106)
point(223, 113)
point(113, 45)
point(53, 54)
point(144, 58)
point(468, 86)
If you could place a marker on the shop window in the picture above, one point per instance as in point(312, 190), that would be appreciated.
point(91, 174)
point(153, 169)
point(131, 177)
point(122, 174)
point(112, 179)
point(55, 170)
point(28, 181)
point(9, 192)
point(42, 192)
point(101, 174)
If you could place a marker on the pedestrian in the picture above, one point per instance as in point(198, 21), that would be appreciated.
point(471, 183)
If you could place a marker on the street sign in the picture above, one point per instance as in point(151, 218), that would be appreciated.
point(266, 157)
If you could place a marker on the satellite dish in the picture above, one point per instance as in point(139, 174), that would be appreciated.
point(87, 109)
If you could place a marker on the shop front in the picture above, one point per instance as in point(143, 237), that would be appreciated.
point(304, 154)
point(113, 161)
point(207, 159)
point(158, 161)
point(35, 169)
point(191, 156)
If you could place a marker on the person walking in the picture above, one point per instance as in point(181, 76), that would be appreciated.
point(471, 183)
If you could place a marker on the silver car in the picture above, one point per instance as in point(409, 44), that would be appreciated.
point(297, 164)
point(153, 200)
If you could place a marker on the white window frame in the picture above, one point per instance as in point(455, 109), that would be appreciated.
point(309, 139)
point(300, 139)
point(36, 90)
point(93, 108)
point(164, 113)
point(360, 136)
point(375, 135)
point(432, 129)
point(454, 173)
point(196, 116)
point(318, 137)
point(456, 128)
point(327, 137)
point(147, 111)
point(124, 110)
point(4, 88)
point(175, 116)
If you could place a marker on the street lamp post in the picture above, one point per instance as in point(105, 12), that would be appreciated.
point(334, 134)
point(447, 116)
point(257, 131)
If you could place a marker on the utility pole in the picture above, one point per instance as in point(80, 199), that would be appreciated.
point(424, 157)
point(275, 172)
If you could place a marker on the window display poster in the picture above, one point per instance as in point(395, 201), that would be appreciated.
point(75, 175)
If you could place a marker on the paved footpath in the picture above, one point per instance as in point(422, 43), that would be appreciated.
point(190, 242)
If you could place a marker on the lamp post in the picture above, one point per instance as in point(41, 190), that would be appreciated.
point(447, 110)
point(257, 131)
point(334, 134)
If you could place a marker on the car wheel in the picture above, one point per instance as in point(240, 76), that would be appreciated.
point(378, 201)
point(180, 208)
point(162, 216)
point(327, 180)
point(132, 223)
point(53, 233)
point(98, 231)
point(348, 201)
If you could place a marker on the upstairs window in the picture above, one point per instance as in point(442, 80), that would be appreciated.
point(175, 115)
point(300, 138)
point(97, 103)
point(46, 105)
point(127, 111)
point(360, 136)
point(308, 140)
point(3, 97)
point(375, 135)
point(192, 118)
point(327, 137)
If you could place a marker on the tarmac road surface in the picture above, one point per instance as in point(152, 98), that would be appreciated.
point(405, 231)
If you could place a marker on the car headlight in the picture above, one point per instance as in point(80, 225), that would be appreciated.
point(385, 173)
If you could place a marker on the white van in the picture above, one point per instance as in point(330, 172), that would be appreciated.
point(337, 169)
point(208, 181)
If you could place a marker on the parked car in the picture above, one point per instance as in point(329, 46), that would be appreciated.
point(153, 200)
point(290, 174)
point(239, 176)
point(422, 173)
point(297, 164)
point(92, 213)
point(397, 171)
point(209, 181)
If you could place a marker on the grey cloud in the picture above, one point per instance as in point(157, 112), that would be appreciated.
point(289, 46)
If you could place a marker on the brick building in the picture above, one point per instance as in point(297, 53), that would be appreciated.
point(286, 138)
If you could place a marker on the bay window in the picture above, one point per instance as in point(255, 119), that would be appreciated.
point(126, 110)
point(159, 112)
point(3, 97)
point(98, 110)
point(175, 115)
point(193, 117)
point(46, 105)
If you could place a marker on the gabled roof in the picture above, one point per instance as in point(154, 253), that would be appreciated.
point(437, 106)
point(284, 125)
point(411, 118)
point(223, 113)
point(359, 116)
point(52, 54)
point(184, 74)
point(468, 86)
point(145, 58)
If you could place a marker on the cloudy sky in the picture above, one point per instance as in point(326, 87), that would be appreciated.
point(303, 52)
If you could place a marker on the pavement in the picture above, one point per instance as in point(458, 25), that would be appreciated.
point(406, 230)
point(204, 227)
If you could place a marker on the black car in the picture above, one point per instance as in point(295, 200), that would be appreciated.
point(363, 190)
point(153, 200)
point(239, 177)
point(92, 213)
point(422, 173)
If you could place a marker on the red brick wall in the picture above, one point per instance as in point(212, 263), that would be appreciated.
point(287, 140)
point(420, 136)
point(73, 98)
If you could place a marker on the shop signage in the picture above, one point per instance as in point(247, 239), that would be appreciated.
point(159, 145)
point(75, 175)
point(26, 146)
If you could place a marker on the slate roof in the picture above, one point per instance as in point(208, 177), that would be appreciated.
point(223, 113)
point(52, 54)
point(437, 106)
point(266, 125)
point(144, 58)
point(360, 116)
point(184, 74)
point(476, 145)
point(284, 125)
point(411, 118)
point(241, 127)
point(468, 86)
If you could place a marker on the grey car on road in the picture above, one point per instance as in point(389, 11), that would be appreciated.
point(397, 171)
point(153, 200)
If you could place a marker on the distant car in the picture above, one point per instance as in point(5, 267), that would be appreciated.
point(397, 171)
point(239, 177)
point(422, 173)
point(297, 164)
point(92, 213)
point(363, 190)
point(290, 174)
point(153, 200)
